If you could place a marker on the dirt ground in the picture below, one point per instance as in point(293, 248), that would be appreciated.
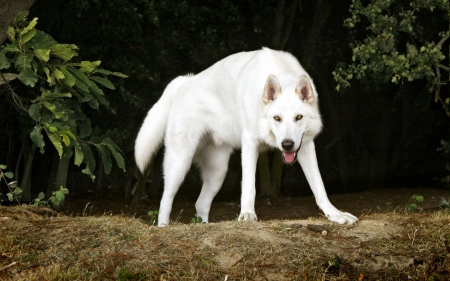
point(106, 240)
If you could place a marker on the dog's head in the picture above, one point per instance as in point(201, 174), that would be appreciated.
point(291, 113)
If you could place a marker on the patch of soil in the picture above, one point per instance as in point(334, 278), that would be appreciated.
point(103, 238)
point(36, 245)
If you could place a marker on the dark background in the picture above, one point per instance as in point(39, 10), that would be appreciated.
point(376, 134)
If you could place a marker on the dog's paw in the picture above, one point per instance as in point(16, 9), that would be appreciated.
point(247, 217)
point(341, 217)
point(163, 224)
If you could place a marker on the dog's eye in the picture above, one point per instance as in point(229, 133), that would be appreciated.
point(298, 117)
point(277, 118)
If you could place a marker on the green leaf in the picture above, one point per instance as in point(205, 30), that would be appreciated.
point(81, 80)
point(95, 89)
point(70, 134)
point(21, 16)
point(56, 140)
point(41, 196)
point(64, 190)
point(106, 158)
point(49, 76)
point(103, 81)
point(87, 66)
point(18, 190)
point(81, 85)
point(24, 38)
point(11, 33)
point(10, 196)
point(59, 195)
point(30, 26)
point(58, 74)
point(13, 47)
point(78, 74)
point(412, 207)
point(113, 148)
point(53, 109)
point(103, 71)
point(43, 41)
point(28, 77)
point(79, 155)
point(64, 51)
point(69, 79)
point(98, 94)
point(9, 175)
point(121, 75)
point(42, 54)
point(3, 166)
point(33, 111)
point(52, 129)
point(109, 141)
point(93, 103)
point(51, 96)
point(23, 61)
point(37, 138)
point(88, 157)
point(88, 172)
point(4, 62)
point(65, 138)
point(62, 126)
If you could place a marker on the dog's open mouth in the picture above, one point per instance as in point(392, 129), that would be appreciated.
point(289, 157)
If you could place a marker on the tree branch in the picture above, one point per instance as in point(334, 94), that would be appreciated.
point(16, 97)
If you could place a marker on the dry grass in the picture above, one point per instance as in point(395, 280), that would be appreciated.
point(44, 246)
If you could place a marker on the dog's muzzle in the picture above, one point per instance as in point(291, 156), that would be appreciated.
point(290, 157)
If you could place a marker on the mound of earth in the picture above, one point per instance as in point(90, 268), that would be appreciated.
point(40, 244)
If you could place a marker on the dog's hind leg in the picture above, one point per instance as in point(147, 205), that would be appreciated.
point(180, 148)
point(213, 163)
point(175, 168)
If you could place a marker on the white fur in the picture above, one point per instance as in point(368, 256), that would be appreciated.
point(203, 117)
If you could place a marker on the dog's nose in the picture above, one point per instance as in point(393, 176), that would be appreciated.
point(287, 145)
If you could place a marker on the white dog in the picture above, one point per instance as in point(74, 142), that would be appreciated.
point(249, 100)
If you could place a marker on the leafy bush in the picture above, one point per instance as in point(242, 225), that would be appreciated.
point(38, 61)
point(15, 191)
point(378, 53)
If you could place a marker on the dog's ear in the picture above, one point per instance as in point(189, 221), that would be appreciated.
point(272, 89)
point(304, 90)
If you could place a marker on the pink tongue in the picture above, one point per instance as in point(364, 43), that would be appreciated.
point(289, 157)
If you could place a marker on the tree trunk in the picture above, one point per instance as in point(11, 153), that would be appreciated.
point(8, 10)
point(19, 159)
point(26, 180)
point(276, 173)
point(52, 177)
point(61, 179)
point(283, 17)
point(321, 14)
point(265, 182)
point(99, 178)
point(270, 178)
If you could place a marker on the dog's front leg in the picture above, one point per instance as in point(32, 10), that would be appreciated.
point(308, 161)
point(249, 160)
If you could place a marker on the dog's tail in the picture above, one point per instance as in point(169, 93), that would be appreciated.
point(151, 135)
